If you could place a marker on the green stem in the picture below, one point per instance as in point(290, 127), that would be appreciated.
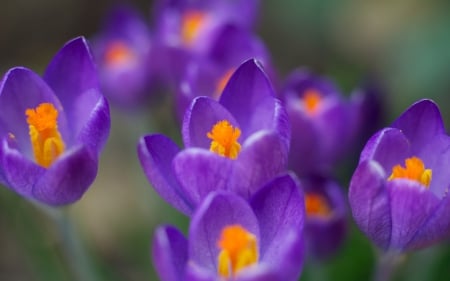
point(387, 265)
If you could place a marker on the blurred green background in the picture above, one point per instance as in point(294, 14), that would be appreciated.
point(405, 44)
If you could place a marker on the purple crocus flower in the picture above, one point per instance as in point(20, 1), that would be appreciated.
point(208, 76)
point(326, 217)
point(323, 124)
point(123, 51)
point(186, 30)
point(53, 128)
point(237, 143)
point(399, 191)
point(231, 239)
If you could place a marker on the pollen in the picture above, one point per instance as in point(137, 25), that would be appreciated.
point(224, 139)
point(192, 21)
point(239, 249)
point(118, 53)
point(316, 205)
point(414, 170)
point(311, 100)
point(45, 138)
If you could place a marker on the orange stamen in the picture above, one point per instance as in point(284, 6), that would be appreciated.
point(222, 83)
point(224, 139)
point(316, 205)
point(118, 53)
point(311, 100)
point(414, 170)
point(192, 21)
point(239, 250)
point(45, 138)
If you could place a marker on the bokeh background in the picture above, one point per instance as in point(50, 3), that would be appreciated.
point(403, 44)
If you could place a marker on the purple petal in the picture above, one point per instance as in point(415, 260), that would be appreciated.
point(411, 205)
point(279, 207)
point(73, 77)
point(249, 97)
point(420, 122)
point(170, 253)
point(370, 204)
point(389, 147)
point(218, 210)
point(67, 179)
point(200, 118)
point(22, 89)
point(263, 156)
point(200, 171)
point(156, 153)
point(436, 227)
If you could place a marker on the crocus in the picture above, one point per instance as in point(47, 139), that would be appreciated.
point(237, 143)
point(326, 217)
point(231, 239)
point(208, 76)
point(123, 52)
point(53, 128)
point(323, 123)
point(399, 191)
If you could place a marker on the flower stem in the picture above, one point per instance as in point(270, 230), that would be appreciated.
point(387, 264)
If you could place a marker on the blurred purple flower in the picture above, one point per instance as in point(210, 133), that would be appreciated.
point(324, 125)
point(123, 51)
point(209, 75)
point(399, 191)
point(237, 144)
point(230, 239)
point(52, 129)
point(326, 217)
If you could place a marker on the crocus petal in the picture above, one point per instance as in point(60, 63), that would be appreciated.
point(370, 203)
point(73, 77)
point(200, 118)
point(67, 179)
point(266, 153)
point(250, 98)
point(200, 171)
point(420, 122)
point(411, 205)
point(156, 153)
point(436, 228)
point(170, 253)
point(22, 89)
point(218, 210)
point(279, 207)
point(380, 148)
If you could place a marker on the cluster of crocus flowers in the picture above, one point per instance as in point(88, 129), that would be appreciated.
point(324, 125)
point(53, 128)
point(237, 143)
point(234, 239)
point(399, 191)
point(123, 51)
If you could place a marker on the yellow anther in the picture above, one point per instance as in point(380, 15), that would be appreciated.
point(45, 138)
point(224, 139)
point(414, 170)
point(118, 53)
point(192, 21)
point(239, 249)
point(311, 100)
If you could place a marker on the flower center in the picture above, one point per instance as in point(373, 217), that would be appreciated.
point(192, 21)
point(311, 100)
point(414, 170)
point(118, 53)
point(224, 139)
point(239, 250)
point(222, 82)
point(316, 205)
point(45, 138)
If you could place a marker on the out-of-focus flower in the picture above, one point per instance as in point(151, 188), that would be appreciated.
point(186, 30)
point(123, 51)
point(237, 143)
point(324, 125)
point(399, 191)
point(208, 76)
point(326, 217)
point(230, 239)
point(53, 128)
